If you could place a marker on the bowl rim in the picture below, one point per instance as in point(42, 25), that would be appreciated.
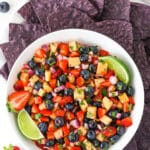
point(130, 136)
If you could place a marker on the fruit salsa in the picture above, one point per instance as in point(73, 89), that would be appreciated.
point(73, 96)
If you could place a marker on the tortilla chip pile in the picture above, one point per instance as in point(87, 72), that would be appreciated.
point(125, 22)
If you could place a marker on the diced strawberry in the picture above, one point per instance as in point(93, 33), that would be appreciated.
point(101, 112)
point(40, 53)
point(125, 107)
point(126, 122)
point(51, 126)
point(63, 49)
point(66, 141)
point(65, 130)
point(66, 99)
point(63, 64)
point(38, 100)
point(18, 86)
point(24, 77)
point(109, 131)
point(69, 85)
point(80, 81)
point(50, 135)
point(80, 116)
point(53, 83)
point(131, 100)
point(103, 52)
point(69, 115)
point(56, 74)
point(46, 112)
point(82, 138)
point(19, 99)
point(75, 148)
point(16, 148)
point(57, 99)
point(44, 119)
point(35, 108)
point(105, 84)
point(75, 72)
point(109, 74)
point(60, 112)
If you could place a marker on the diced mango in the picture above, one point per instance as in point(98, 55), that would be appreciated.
point(47, 75)
point(41, 92)
point(107, 103)
point(100, 137)
point(74, 46)
point(82, 130)
point(83, 105)
point(88, 145)
point(34, 79)
point(53, 47)
point(73, 61)
point(98, 81)
point(58, 134)
point(102, 68)
point(46, 87)
point(123, 98)
point(91, 112)
point(78, 94)
point(106, 120)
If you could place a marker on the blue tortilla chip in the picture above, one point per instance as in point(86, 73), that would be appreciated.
point(4, 71)
point(140, 19)
point(28, 14)
point(116, 10)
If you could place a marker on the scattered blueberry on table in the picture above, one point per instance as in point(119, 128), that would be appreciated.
point(4, 7)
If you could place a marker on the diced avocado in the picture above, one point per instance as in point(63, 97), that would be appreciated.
point(107, 103)
point(74, 46)
point(73, 61)
point(91, 112)
point(58, 134)
point(123, 98)
point(83, 105)
point(106, 120)
point(88, 145)
point(102, 68)
point(53, 47)
point(100, 137)
point(46, 87)
point(78, 94)
point(47, 75)
point(98, 81)
point(82, 130)
point(41, 92)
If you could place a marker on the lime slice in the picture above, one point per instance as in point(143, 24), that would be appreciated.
point(118, 66)
point(27, 126)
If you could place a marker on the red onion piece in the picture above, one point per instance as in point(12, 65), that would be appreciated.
point(31, 72)
point(75, 123)
point(118, 116)
point(60, 88)
point(45, 47)
point(59, 57)
point(54, 94)
point(52, 70)
point(26, 66)
point(84, 66)
point(90, 58)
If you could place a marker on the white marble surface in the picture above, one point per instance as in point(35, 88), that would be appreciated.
point(7, 135)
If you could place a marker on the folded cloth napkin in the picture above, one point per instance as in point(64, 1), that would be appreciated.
point(125, 22)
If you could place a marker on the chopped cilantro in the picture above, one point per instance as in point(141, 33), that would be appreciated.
point(37, 116)
point(71, 48)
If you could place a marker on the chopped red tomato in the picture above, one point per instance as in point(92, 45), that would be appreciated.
point(44, 119)
point(69, 115)
point(82, 138)
point(60, 112)
point(51, 126)
point(57, 99)
point(70, 85)
point(109, 131)
point(18, 86)
point(125, 107)
point(126, 122)
point(63, 49)
point(131, 100)
point(65, 130)
point(105, 83)
point(66, 99)
point(75, 148)
point(66, 141)
point(46, 112)
point(53, 83)
point(80, 116)
point(38, 100)
point(109, 74)
point(50, 135)
point(35, 108)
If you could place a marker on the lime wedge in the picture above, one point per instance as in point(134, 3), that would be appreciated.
point(118, 66)
point(27, 126)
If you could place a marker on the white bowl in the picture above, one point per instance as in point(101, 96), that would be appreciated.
point(93, 38)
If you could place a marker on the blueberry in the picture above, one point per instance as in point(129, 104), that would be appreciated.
point(113, 113)
point(86, 120)
point(92, 124)
point(92, 68)
point(37, 85)
point(85, 74)
point(68, 92)
point(91, 135)
point(104, 145)
point(51, 61)
point(69, 106)
point(89, 91)
point(125, 115)
point(39, 71)
point(32, 64)
point(130, 91)
point(114, 139)
point(121, 130)
point(50, 143)
point(4, 7)
point(28, 109)
point(48, 96)
point(96, 143)
point(94, 49)
point(73, 137)
point(97, 104)
point(49, 105)
point(59, 121)
point(121, 86)
point(84, 57)
point(83, 50)
point(62, 79)
point(60, 141)
point(43, 126)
